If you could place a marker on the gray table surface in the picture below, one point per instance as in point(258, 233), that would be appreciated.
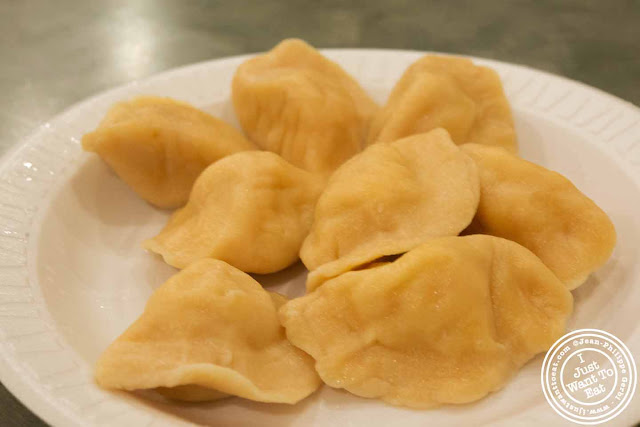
point(54, 53)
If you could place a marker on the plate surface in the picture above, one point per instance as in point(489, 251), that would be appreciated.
point(73, 275)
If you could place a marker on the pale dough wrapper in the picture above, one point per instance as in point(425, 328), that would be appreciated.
point(209, 331)
point(543, 211)
point(250, 209)
point(453, 93)
point(159, 146)
point(389, 199)
point(448, 322)
point(297, 103)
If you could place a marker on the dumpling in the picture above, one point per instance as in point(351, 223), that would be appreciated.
point(297, 103)
point(209, 331)
point(389, 199)
point(543, 211)
point(448, 322)
point(250, 209)
point(442, 91)
point(159, 146)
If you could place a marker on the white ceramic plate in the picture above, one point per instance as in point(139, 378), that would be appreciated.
point(73, 275)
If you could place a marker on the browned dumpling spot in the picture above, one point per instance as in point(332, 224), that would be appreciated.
point(453, 93)
point(297, 103)
point(159, 146)
point(251, 209)
point(209, 331)
point(448, 322)
point(543, 211)
point(389, 199)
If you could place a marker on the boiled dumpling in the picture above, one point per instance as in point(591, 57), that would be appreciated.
point(209, 331)
point(543, 211)
point(159, 146)
point(448, 322)
point(297, 103)
point(389, 199)
point(250, 209)
point(440, 91)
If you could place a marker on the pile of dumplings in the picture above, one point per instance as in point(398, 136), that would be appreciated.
point(439, 261)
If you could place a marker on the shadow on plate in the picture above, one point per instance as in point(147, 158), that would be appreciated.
point(105, 196)
point(208, 414)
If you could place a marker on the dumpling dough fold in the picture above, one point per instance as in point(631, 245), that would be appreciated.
point(448, 322)
point(453, 93)
point(543, 211)
point(297, 103)
point(251, 209)
point(159, 146)
point(389, 199)
point(210, 330)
